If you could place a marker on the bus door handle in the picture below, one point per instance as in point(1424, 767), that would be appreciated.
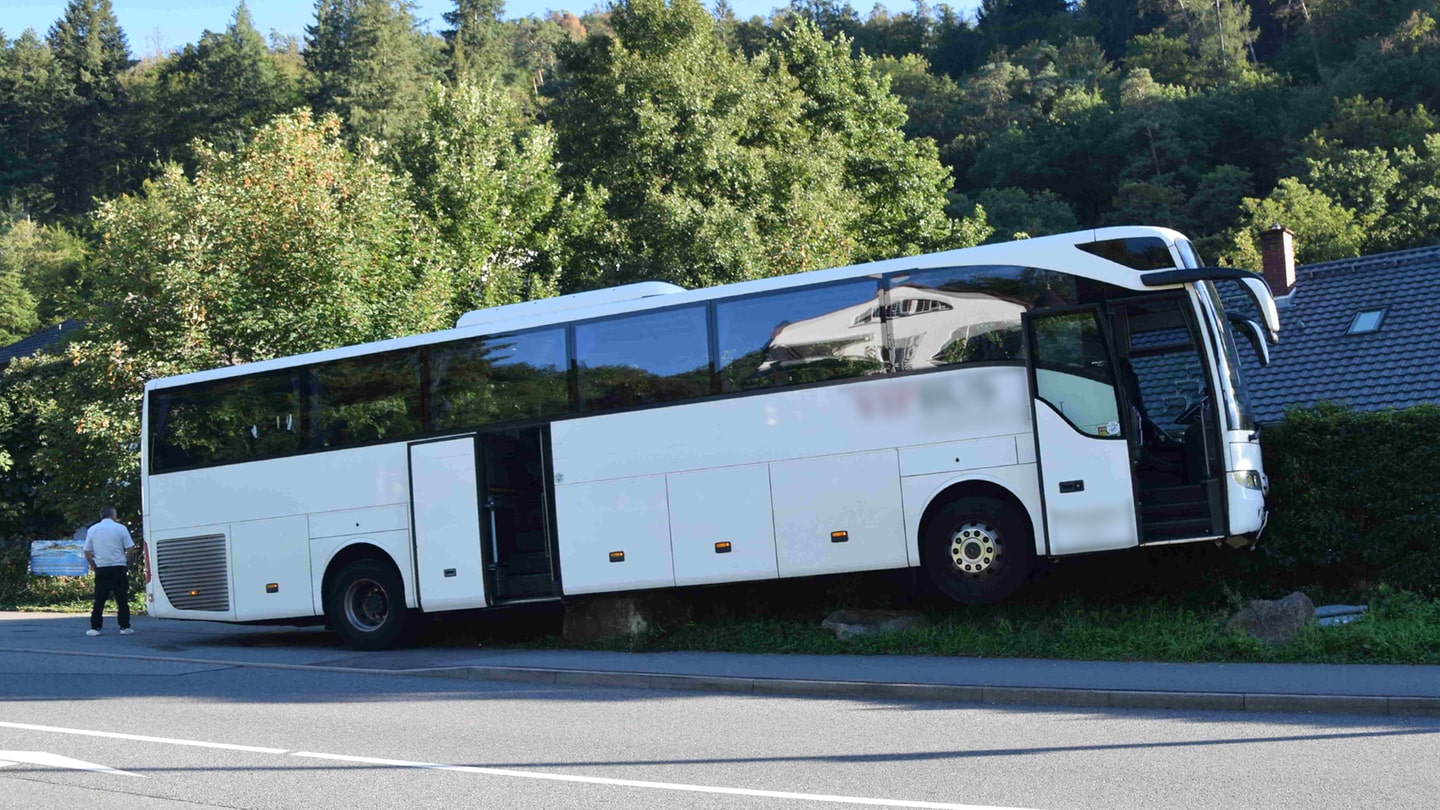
point(494, 542)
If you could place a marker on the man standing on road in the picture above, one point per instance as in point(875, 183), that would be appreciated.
point(108, 547)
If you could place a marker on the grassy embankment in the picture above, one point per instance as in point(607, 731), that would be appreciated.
point(1164, 605)
point(1167, 605)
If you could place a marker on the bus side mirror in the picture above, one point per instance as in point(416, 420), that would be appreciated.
point(1252, 331)
point(1254, 286)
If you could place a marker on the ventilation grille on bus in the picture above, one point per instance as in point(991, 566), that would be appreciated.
point(193, 572)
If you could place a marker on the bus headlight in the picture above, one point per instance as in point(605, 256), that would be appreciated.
point(1250, 479)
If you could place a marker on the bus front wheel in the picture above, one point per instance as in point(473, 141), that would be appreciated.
point(365, 604)
point(977, 550)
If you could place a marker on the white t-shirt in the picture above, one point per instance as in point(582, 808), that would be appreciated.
point(107, 540)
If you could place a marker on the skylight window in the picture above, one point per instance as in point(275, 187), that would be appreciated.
point(1366, 321)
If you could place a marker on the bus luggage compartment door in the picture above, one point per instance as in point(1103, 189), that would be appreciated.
point(445, 508)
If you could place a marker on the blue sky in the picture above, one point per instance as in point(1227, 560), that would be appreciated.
point(156, 25)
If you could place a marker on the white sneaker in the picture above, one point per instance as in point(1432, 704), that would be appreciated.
point(125, 631)
point(92, 632)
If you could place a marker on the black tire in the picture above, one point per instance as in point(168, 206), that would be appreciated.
point(977, 550)
point(365, 604)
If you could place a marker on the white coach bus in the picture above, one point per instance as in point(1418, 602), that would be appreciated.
point(968, 412)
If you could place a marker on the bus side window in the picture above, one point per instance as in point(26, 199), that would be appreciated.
point(1073, 371)
point(367, 399)
point(800, 336)
point(499, 378)
point(661, 356)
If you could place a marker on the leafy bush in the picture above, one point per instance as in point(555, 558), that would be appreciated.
point(1355, 498)
point(21, 589)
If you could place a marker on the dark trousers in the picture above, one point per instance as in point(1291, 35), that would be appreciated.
point(111, 579)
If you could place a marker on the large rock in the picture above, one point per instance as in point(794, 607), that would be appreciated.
point(847, 624)
point(595, 618)
point(1274, 621)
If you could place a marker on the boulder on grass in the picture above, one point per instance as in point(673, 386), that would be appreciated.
point(847, 624)
point(595, 618)
point(1274, 621)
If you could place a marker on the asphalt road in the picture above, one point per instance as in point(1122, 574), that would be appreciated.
point(206, 735)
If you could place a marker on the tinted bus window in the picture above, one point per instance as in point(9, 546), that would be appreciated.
point(368, 399)
point(638, 359)
point(225, 421)
point(499, 379)
point(959, 315)
point(800, 336)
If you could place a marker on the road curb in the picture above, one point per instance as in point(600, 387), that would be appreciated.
point(956, 693)
point(1399, 706)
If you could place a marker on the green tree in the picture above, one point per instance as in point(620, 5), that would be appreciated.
point(1015, 212)
point(900, 183)
point(1382, 166)
point(25, 511)
point(487, 180)
point(932, 101)
point(49, 262)
point(219, 90)
point(34, 98)
point(1323, 228)
point(293, 244)
point(90, 52)
point(1117, 22)
point(715, 168)
point(1202, 41)
point(1215, 203)
point(1149, 203)
point(371, 65)
point(477, 47)
point(1010, 24)
point(17, 308)
point(955, 47)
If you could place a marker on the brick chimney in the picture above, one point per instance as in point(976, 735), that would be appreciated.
point(1277, 255)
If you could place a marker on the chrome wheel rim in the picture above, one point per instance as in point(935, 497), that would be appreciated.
point(975, 548)
point(367, 605)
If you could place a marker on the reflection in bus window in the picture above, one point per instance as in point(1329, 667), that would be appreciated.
point(226, 421)
point(804, 336)
point(366, 399)
point(501, 378)
point(1073, 372)
point(959, 315)
point(651, 357)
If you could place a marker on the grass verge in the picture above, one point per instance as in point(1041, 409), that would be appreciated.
point(63, 595)
point(1401, 628)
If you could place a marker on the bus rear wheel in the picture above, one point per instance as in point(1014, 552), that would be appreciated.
point(365, 604)
point(977, 550)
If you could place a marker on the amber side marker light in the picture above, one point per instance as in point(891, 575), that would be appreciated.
point(194, 593)
point(839, 537)
point(272, 587)
point(617, 556)
point(723, 547)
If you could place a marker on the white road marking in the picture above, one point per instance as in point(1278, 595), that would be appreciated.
point(635, 783)
point(254, 749)
point(57, 761)
point(513, 774)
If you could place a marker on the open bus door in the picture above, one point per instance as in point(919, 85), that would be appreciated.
point(1080, 438)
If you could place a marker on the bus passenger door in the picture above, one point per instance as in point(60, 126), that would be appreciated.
point(445, 508)
point(1084, 458)
point(516, 515)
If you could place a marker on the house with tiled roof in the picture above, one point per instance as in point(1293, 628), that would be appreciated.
point(1361, 332)
point(44, 340)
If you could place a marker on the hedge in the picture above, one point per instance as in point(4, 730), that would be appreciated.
point(1355, 498)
